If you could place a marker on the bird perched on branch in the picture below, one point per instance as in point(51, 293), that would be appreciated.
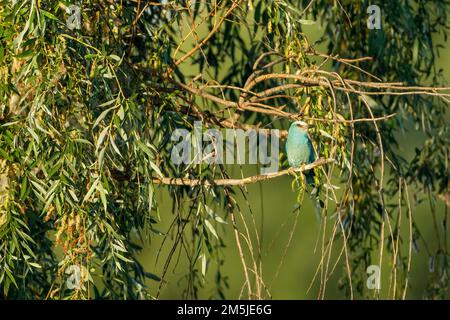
point(300, 152)
point(299, 149)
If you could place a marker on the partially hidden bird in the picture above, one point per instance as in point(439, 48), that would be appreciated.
point(299, 149)
point(300, 152)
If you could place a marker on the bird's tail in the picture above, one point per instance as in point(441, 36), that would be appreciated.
point(314, 195)
point(310, 178)
point(317, 205)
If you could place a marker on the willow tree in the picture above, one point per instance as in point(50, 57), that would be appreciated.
point(91, 93)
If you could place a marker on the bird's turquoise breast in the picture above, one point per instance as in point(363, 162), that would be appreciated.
point(299, 149)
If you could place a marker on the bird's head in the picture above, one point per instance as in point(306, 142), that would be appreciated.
point(300, 125)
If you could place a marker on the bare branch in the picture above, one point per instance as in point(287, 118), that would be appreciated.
point(238, 182)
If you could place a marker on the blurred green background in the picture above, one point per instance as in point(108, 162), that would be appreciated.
point(272, 203)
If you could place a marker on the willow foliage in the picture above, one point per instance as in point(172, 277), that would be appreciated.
point(86, 117)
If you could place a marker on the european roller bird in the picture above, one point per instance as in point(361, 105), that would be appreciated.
point(300, 152)
point(299, 149)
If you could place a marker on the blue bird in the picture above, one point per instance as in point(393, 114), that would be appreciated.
point(299, 149)
point(299, 152)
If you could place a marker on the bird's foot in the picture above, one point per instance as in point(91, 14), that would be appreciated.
point(291, 171)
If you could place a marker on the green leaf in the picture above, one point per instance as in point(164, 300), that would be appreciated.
point(307, 22)
point(91, 190)
point(213, 215)
point(144, 148)
point(152, 276)
point(121, 257)
point(203, 261)
point(156, 169)
point(73, 195)
point(101, 137)
point(49, 15)
point(107, 103)
point(114, 57)
point(102, 116)
point(211, 228)
point(39, 188)
point(116, 149)
point(10, 276)
point(36, 265)
point(25, 54)
point(103, 193)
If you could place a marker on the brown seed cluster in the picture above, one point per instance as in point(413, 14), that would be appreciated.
point(71, 235)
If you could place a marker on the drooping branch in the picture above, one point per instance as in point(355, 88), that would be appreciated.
point(238, 182)
point(209, 36)
point(254, 104)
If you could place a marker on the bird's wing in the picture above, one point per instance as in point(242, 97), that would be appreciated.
point(312, 156)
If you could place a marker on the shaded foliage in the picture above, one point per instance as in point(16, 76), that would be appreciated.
point(86, 118)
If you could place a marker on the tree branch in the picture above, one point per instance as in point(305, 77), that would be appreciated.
point(238, 182)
